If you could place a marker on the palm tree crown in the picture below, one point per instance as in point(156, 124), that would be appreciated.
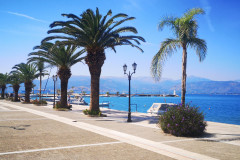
point(28, 72)
point(42, 72)
point(94, 32)
point(15, 80)
point(60, 56)
point(4, 80)
point(185, 31)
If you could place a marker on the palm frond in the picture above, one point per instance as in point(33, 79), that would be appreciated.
point(200, 46)
point(167, 21)
point(166, 50)
point(189, 15)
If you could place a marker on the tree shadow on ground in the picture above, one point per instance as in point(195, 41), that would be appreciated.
point(19, 127)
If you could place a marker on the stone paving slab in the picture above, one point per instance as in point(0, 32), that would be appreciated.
point(214, 149)
point(5, 107)
point(17, 115)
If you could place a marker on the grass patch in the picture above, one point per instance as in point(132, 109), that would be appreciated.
point(39, 103)
point(93, 113)
point(26, 102)
point(59, 107)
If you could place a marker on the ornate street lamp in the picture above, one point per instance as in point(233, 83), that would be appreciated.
point(54, 79)
point(134, 65)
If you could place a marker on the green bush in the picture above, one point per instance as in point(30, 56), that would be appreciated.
point(9, 99)
point(58, 106)
point(93, 113)
point(183, 120)
point(39, 102)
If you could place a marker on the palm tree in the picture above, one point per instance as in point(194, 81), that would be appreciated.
point(28, 72)
point(95, 33)
point(42, 72)
point(4, 79)
point(185, 30)
point(61, 56)
point(15, 79)
point(117, 93)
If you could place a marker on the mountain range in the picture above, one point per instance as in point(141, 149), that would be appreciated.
point(195, 85)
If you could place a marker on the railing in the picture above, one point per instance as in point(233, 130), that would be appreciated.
point(135, 106)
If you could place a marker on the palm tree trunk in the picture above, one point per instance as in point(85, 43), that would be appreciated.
point(64, 74)
point(40, 91)
point(28, 88)
point(94, 97)
point(184, 75)
point(3, 91)
point(16, 89)
point(64, 85)
point(95, 62)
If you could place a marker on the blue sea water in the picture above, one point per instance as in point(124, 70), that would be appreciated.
point(216, 108)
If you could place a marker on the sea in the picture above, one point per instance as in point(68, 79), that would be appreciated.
point(216, 108)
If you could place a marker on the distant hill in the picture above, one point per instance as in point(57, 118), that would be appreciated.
point(195, 85)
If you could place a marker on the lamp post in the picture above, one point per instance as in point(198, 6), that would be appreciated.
point(134, 65)
point(54, 79)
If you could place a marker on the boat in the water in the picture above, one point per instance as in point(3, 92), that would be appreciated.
point(78, 100)
point(51, 99)
point(160, 108)
point(104, 104)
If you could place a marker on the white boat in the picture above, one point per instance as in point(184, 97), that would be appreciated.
point(51, 99)
point(34, 95)
point(78, 100)
point(160, 108)
point(104, 104)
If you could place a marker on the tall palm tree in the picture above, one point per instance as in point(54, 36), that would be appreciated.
point(4, 79)
point(95, 33)
point(185, 30)
point(28, 72)
point(15, 80)
point(41, 69)
point(61, 56)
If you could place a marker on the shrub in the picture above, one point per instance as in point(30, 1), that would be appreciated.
point(183, 120)
point(39, 102)
point(93, 113)
point(10, 99)
point(58, 106)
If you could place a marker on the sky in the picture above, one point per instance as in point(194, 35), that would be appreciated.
point(24, 23)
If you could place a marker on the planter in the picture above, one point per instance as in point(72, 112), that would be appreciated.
point(40, 104)
point(102, 115)
point(26, 102)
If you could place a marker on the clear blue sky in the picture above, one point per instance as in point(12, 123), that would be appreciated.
point(24, 24)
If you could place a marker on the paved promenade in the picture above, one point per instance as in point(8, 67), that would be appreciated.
point(39, 132)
